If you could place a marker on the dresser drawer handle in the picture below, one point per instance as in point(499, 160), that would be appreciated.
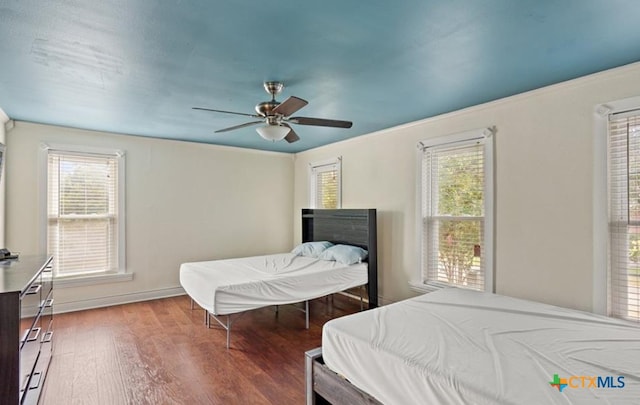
point(34, 337)
point(47, 337)
point(47, 269)
point(46, 303)
point(35, 380)
point(34, 289)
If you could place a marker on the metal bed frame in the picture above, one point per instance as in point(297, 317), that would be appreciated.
point(229, 321)
point(356, 227)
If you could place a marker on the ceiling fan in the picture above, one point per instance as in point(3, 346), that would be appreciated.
point(277, 116)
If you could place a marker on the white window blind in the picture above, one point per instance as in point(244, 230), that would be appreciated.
point(82, 207)
point(325, 184)
point(624, 215)
point(453, 227)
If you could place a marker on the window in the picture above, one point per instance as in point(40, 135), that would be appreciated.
point(624, 215)
point(457, 210)
point(325, 184)
point(85, 202)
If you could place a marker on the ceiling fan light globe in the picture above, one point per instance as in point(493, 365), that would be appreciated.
point(273, 132)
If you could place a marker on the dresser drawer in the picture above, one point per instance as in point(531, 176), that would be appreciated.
point(30, 342)
point(30, 308)
point(46, 317)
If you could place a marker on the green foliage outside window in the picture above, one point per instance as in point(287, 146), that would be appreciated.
point(83, 189)
point(460, 194)
point(328, 189)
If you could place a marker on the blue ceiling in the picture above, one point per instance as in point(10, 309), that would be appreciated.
point(139, 66)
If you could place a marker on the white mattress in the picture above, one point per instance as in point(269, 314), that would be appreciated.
point(463, 347)
point(225, 287)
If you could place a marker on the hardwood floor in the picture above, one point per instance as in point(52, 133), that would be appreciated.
point(160, 352)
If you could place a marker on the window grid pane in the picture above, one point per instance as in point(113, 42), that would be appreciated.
point(82, 209)
point(327, 189)
point(324, 179)
point(624, 216)
point(453, 183)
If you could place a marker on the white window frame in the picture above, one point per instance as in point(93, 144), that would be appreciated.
point(486, 136)
point(601, 245)
point(121, 273)
point(325, 165)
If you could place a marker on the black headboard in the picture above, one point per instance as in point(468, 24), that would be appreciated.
point(356, 227)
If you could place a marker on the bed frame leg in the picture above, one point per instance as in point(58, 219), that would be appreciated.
point(228, 331)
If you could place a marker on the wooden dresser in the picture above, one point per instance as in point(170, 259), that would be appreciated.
point(26, 327)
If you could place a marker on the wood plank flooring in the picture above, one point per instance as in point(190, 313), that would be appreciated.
point(160, 352)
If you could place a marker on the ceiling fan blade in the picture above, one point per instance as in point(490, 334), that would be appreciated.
point(321, 122)
point(291, 136)
point(289, 106)
point(226, 112)
point(247, 124)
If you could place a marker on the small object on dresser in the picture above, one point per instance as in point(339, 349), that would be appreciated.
point(5, 254)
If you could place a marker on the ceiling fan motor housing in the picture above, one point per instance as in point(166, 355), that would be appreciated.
point(264, 109)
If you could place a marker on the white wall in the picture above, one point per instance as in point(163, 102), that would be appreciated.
point(544, 187)
point(184, 202)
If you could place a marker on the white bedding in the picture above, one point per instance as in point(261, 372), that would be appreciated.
point(464, 347)
point(225, 287)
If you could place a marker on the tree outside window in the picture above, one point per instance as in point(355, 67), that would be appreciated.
point(453, 190)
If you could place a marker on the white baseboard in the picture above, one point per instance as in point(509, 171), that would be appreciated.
point(60, 308)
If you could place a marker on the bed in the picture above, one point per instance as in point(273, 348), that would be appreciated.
point(458, 346)
point(224, 288)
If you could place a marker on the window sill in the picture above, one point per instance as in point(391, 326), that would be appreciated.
point(79, 281)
